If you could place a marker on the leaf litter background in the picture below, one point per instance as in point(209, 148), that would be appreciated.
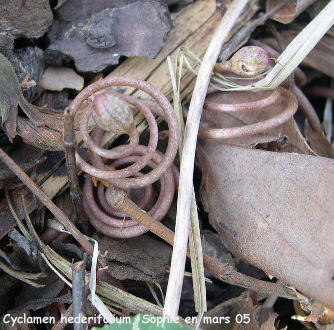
point(268, 196)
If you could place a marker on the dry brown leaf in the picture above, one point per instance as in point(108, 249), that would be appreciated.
point(40, 137)
point(274, 210)
point(59, 78)
point(141, 258)
point(290, 11)
point(318, 142)
point(239, 313)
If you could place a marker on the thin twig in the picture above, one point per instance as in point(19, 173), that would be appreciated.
point(225, 272)
point(70, 144)
point(195, 244)
point(78, 294)
point(54, 209)
point(243, 34)
point(61, 325)
point(175, 281)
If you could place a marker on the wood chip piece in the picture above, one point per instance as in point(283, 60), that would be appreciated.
point(59, 78)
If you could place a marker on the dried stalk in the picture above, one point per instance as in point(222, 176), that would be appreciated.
point(243, 34)
point(195, 244)
point(47, 202)
point(70, 145)
point(175, 281)
point(224, 272)
point(78, 293)
point(61, 325)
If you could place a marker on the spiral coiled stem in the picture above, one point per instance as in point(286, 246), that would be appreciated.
point(250, 129)
point(107, 165)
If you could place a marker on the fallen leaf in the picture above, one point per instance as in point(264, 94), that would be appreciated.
point(142, 258)
point(318, 142)
point(40, 137)
point(275, 211)
point(289, 11)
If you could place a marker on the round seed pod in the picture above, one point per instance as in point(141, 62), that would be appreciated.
point(247, 61)
point(112, 113)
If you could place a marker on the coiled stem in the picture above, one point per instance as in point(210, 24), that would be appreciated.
point(250, 129)
point(108, 165)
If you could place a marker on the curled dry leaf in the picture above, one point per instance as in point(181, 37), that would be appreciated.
point(274, 210)
point(290, 11)
point(11, 96)
point(59, 78)
point(312, 312)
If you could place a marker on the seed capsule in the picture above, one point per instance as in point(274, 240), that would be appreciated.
point(111, 113)
point(247, 61)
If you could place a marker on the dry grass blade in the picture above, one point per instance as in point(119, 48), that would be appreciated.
point(195, 244)
point(113, 297)
point(184, 202)
point(24, 277)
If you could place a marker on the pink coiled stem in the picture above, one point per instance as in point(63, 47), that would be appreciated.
point(121, 228)
point(105, 164)
point(262, 126)
point(223, 107)
point(168, 114)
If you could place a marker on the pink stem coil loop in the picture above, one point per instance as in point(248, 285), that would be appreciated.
point(123, 166)
point(250, 129)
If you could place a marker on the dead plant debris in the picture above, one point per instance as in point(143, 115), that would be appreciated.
point(103, 107)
